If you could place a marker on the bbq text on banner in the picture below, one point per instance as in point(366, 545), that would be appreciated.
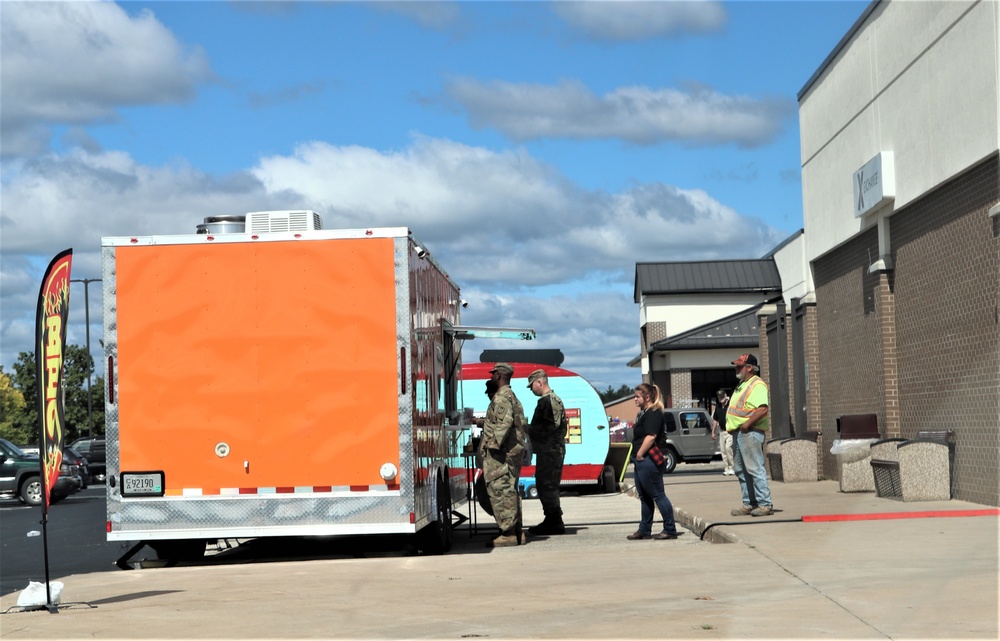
point(50, 345)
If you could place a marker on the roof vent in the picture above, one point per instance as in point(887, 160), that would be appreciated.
point(223, 225)
point(262, 222)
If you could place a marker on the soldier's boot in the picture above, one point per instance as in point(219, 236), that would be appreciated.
point(549, 526)
point(504, 540)
point(520, 535)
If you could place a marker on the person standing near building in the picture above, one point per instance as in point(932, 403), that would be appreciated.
point(503, 450)
point(719, 427)
point(547, 432)
point(648, 429)
point(747, 421)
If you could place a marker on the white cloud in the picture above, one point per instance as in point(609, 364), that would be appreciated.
point(628, 20)
point(468, 203)
point(527, 246)
point(596, 331)
point(640, 115)
point(79, 62)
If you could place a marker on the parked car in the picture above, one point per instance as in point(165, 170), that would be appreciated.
point(81, 462)
point(689, 437)
point(21, 476)
point(93, 449)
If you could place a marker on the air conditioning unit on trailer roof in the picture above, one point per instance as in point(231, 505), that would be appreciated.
point(259, 222)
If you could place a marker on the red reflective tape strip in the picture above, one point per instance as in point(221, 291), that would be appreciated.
point(881, 516)
point(281, 490)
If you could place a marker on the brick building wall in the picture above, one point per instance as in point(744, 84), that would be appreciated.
point(648, 334)
point(947, 269)
point(763, 354)
point(849, 337)
point(790, 364)
point(680, 388)
point(919, 345)
point(810, 373)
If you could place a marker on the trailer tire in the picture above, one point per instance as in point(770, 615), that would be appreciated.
point(436, 536)
point(609, 481)
point(178, 550)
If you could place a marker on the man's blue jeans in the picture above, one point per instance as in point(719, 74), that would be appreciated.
point(649, 485)
point(748, 463)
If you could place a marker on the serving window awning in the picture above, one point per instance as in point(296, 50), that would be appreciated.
point(468, 332)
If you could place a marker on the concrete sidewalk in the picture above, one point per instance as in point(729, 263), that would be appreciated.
point(779, 577)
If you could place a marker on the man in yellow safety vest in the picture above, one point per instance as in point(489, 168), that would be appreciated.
point(747, 421)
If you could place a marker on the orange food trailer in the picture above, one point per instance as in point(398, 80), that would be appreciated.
point(279, 379)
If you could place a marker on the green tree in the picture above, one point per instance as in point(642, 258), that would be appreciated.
point(11, 406)
point(612, 394)
point(77, 364)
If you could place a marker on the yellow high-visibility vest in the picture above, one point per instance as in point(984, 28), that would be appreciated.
point(738, 413)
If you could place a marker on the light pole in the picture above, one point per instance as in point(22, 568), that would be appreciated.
point(86, 313)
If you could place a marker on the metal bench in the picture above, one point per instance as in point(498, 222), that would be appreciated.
point(917, 469)
point(793, 460)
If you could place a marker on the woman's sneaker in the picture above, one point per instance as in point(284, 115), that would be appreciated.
point(744, 510)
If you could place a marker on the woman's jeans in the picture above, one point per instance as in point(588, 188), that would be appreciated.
point(649, 485)
point(748, 463)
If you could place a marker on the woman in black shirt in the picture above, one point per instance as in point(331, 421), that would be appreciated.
point(648, 475)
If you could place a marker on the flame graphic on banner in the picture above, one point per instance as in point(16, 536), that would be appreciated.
point(50, 342)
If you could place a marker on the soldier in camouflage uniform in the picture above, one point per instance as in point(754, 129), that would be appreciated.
point(548, 441)
point(503, 449)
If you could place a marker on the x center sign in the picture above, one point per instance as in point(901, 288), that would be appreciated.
point(874, 184)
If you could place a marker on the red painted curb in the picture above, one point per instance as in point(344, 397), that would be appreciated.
point(881, 516)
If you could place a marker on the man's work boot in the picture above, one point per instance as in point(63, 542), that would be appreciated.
point(504, 541)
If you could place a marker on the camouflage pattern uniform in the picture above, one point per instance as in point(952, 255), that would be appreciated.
point(548, 441)
point(502, 448)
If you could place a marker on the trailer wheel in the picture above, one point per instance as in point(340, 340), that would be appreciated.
point(437, 535)
point(608, 479)
point(179, 550)
point(532, 492)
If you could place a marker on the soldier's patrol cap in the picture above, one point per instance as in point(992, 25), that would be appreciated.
point(535, 375)
point(503, 368)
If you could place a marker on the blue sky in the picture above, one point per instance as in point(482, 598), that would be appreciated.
point(538, 149)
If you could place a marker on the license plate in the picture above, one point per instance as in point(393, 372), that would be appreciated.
point(142, 483)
